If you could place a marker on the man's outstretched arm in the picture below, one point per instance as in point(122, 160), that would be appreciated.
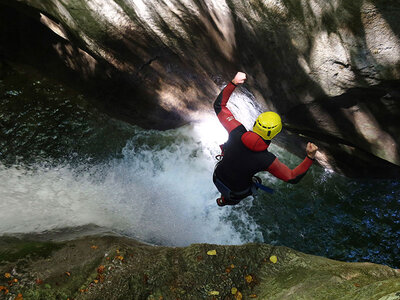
point(224, 115)
point(284, 173)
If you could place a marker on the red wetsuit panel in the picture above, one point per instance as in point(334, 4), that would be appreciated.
point(281, 171)
point(223, 113)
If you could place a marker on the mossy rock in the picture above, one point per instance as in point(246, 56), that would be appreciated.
point(112, 267)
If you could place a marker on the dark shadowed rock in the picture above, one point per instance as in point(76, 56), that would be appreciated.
point(160, 63)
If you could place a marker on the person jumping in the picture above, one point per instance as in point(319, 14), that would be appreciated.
point(246, 152)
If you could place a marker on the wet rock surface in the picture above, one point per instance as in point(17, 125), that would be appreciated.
point(160, 64)
point(111, 267)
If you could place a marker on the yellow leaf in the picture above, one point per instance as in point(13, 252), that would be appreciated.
point(273, 259)
point(96, 281)
point(253, 296)
point(119, 257)
point(19, 297)
point(232, 266)
point(68, 273)
point(213, 293)
point(117, 251)
point(15, 280)
point(248, 278)
point(7, 275)
point(234, 290)
point(212, 252)
point(238, 296)
point(94, 247)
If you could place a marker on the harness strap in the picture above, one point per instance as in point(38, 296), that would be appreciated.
point(264, 188)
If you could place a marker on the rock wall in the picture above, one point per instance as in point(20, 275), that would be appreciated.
point(161, 63)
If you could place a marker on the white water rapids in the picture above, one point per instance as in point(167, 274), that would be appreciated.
point(160, 191)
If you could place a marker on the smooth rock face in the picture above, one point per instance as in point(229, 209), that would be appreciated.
point(161, 63)
point(111, 267)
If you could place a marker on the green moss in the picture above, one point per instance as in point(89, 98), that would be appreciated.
point(13, 249)
point(190, 273)
point(63, 286)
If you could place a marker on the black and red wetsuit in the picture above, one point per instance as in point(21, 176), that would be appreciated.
point(246, 153)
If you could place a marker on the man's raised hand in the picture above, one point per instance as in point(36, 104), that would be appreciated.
point(240, 77)
point(311, 149)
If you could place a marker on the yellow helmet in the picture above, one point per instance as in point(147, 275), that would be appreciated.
point(268, 125)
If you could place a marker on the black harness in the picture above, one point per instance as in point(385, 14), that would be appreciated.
point(234, 173)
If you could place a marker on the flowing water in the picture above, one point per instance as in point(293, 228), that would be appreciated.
point(63, 165)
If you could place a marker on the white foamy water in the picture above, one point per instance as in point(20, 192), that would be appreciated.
point(160, 191)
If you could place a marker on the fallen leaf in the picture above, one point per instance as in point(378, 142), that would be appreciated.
point(19, 297)
point(248, 278)
point(117, 251)
point(101, 278)
point(233, 291)
point(212, 252)
point(357, 285)
point(96, 281)
point(39, 281)
point(238, 296)
point(3, 288)
point(94, 247)
point(7, 275)
point(119, 257)
point(213, 293)
point(68, 273)
point(15, 280)
point(273, 259)
point(100, 269)
point(227, 270)
point(232, 266)
point(253, 296)
point(145, 278)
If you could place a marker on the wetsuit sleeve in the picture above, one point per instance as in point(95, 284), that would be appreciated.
point(283, 172)
point(223, 113)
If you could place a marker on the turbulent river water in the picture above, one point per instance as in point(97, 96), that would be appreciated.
point(63, 164)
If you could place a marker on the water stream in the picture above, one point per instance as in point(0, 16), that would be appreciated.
point(63, 164)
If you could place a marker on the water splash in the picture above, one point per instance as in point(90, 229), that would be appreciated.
point(159, 190)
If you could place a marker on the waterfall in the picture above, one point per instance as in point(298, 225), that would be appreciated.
point(159, 190)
